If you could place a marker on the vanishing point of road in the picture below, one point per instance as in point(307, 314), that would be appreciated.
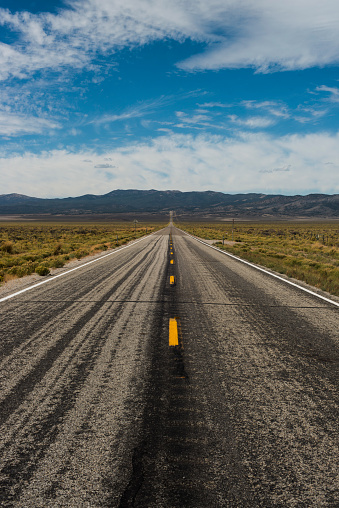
point(168, 374)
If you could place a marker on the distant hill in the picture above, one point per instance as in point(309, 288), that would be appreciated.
point(208, 203)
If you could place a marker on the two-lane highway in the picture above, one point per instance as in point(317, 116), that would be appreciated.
point(167, 375)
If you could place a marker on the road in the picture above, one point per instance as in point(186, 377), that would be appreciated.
point(98, 410)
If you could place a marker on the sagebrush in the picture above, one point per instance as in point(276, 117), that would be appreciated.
point(305, 251)
point(36, 248)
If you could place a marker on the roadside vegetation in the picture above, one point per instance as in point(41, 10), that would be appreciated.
point(36, 248)
point(306, 251)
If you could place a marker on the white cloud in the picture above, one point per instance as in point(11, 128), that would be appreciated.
point(324, 88)
point(163, 129)
point(15, 125)
point(252, 162)
point(74, 132)
point(333, 92)
point(136, 111)
point(280, 111)
point(270, 36)
point(313, 114)
point(214, 105)
point(193, 119)
point(259, 104)
point(253, 122)
point(263, 34)
point(275, 108)
point(32, 97)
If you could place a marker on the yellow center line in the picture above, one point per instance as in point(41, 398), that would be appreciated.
point(173, 332)
point(172, 261)
point(172, 280)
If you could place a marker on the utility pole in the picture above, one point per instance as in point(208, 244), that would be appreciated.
point(232, 230)
point(135, 226)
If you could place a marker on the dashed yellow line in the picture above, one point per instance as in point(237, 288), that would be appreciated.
point(172, 262)
point(173, 332)
point(172, 280)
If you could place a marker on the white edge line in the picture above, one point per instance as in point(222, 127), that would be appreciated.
point(263, 270)
point(115, 251)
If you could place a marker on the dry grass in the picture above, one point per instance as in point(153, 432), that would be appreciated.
point(308, 251)
point(28, 248)
point(8, 277)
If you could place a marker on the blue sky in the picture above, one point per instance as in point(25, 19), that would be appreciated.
point(227, 95)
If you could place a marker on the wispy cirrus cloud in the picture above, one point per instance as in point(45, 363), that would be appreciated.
point(136, 111)
point(199, 120)
point(144, 108)
point(333, 92)
point(275, 108)
point(273, 36)
point(309, 114)
point(264, 35)
point(214, 105)
point(279, 111)
point(254, 122)
point(193, 119)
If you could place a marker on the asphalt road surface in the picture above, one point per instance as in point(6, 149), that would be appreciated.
point(98, 410)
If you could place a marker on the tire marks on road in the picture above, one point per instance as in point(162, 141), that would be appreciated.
point(36, 411)
point(280, 401)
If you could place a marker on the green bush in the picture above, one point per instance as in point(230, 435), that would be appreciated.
point(58, 249)
point(57, 263)
point(81, 253)
point(7, 247)
point(42, 270)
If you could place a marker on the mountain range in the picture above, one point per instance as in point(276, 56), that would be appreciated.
point(195, 204)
